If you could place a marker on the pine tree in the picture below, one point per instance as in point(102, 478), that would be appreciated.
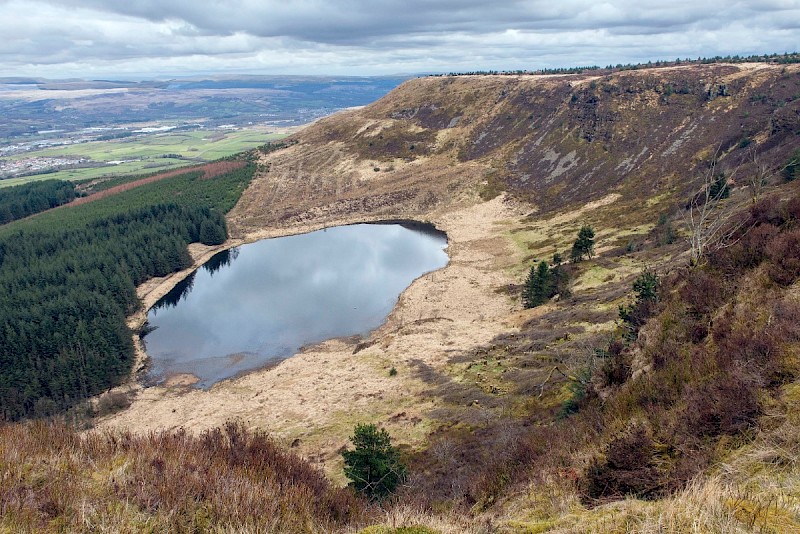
point(543, 283)
point(212, 232)
point(792, 168)
point(584, 245)
point(719, 188)
point(373, 467)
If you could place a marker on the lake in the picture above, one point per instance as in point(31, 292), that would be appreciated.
point(258, 304)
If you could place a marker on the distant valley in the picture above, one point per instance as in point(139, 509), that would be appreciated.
point(78, 129)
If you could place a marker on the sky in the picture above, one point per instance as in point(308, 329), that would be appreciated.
point(163, 38)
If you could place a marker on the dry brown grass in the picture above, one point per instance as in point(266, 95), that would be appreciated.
point(229, 479)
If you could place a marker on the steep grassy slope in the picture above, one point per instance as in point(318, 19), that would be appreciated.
point(227, 480)
point(552, 141)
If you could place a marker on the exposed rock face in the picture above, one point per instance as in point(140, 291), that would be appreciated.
point(552, 141)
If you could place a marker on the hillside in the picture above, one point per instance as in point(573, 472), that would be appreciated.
point(550, 141)
point(544, 419)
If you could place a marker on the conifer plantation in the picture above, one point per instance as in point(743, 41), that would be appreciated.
point(68, 281)
point(23, 200)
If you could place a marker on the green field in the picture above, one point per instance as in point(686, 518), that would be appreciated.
point(148, 152)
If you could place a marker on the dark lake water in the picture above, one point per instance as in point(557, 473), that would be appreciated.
point(259, 303)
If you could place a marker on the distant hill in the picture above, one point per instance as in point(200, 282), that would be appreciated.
point(32, 105)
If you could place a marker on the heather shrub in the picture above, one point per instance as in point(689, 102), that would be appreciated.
point(726, 404)
point(112, 402)
point(628, 468)
point(793, 208)
point(783, 252)
point(766, 211)
point(616, 368)
point(227, 479)
point(702, 292)
point(748, 252)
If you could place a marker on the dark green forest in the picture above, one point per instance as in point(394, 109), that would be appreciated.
point(68, 281)
point(22, 200)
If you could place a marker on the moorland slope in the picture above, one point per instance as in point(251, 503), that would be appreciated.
point(526, 419)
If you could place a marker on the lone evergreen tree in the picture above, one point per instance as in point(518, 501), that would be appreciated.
point(719, 187)
point(373, 467)
point(584, 245)
point(538, 286)
point(646, 287)
point(543, 283)
point(792, 169)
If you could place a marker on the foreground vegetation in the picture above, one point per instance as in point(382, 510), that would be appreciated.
point(68, 280)
point(229, 479)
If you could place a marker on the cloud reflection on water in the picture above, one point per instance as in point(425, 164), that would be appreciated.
point(277, 295)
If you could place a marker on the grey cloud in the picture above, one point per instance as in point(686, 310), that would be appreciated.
point(357, 21)
point(361, 37)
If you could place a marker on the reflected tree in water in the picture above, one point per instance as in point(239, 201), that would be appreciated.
point(220, 260)
point(176, 294)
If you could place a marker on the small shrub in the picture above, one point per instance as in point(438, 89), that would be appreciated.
point(664, 233)
point(702, 292)
point(393, 371)
point(748, 252)
point(728, 404)
point(616, 367)
point(579, 393)
point(793, 208)
point(792, 168)
point(628, 468)
point(112, 402)
point(784, 254)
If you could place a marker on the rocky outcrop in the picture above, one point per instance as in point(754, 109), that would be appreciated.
point(552, 141)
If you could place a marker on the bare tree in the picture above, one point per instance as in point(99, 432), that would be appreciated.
point(582, 370)
point(711, 227)
point(760, 177)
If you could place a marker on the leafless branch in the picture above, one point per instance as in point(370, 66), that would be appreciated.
point(760, 177)
point(710, 226)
